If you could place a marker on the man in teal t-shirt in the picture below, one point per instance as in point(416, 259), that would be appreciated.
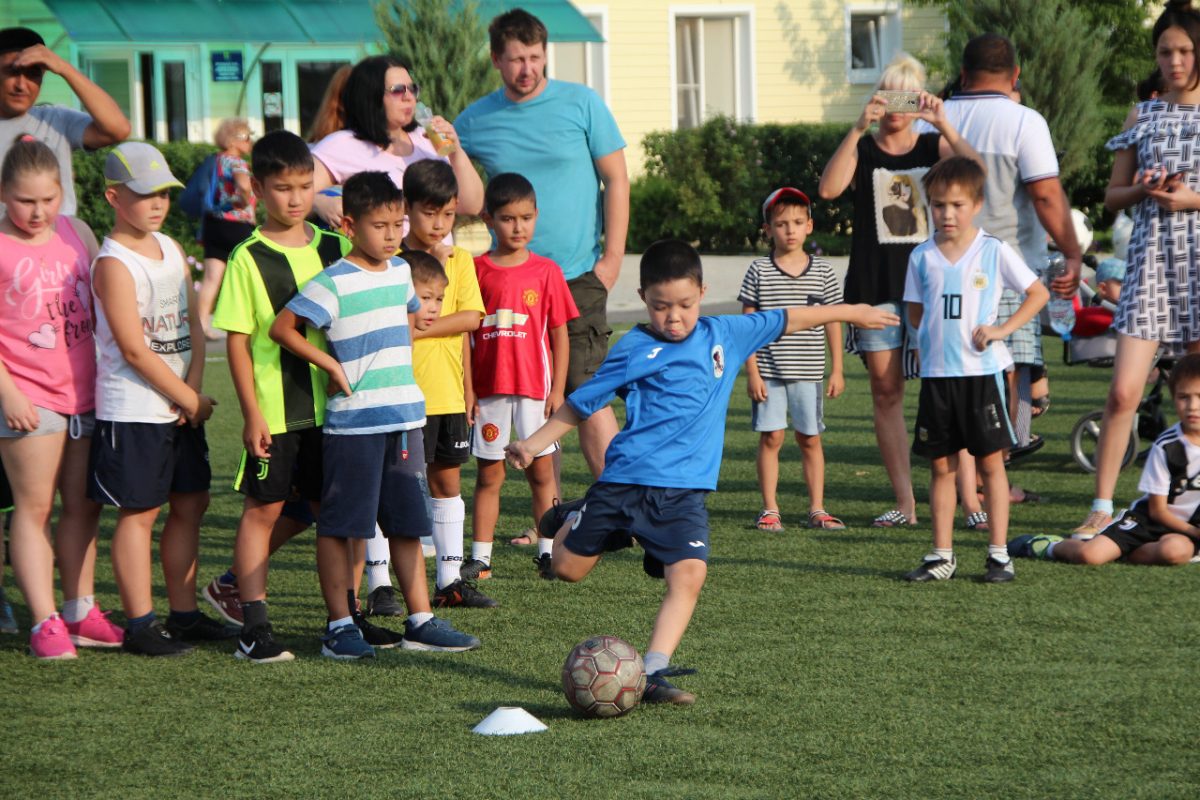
point(564, 139)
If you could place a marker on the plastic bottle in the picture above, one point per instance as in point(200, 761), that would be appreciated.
point(1060, 309)
point(424, 117)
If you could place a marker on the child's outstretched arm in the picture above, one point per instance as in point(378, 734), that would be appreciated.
point(522, 452)
point(1036, 296)
point(285, 331)
point(458, 322)
point(113, 286)
point(860, 315)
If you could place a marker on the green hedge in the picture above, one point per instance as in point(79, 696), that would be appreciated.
point(706, 185)
point(183, 158)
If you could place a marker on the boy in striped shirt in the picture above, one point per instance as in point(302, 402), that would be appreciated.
point(787, 376)
point(374, 470)
point(952, 292)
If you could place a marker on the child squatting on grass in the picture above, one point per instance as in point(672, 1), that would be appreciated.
point(953, 292)
point(1161, 527)
point(675, 374)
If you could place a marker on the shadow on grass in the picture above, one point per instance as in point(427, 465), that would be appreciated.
point(797, 566)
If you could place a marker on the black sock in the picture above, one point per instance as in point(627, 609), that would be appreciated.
point(254, 614)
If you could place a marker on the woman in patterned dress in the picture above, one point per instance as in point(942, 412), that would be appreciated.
point(1156, 172)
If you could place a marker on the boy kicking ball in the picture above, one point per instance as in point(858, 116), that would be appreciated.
point(1160, 528)
point(675, 374)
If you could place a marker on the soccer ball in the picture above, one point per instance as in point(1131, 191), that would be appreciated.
point(603, 677)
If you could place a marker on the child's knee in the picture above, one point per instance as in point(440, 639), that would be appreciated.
point(809, 443)
point(771, 440)
point(687, 575)
point(1175, 550)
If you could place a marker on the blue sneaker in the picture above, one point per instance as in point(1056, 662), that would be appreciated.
point(8, 623)
point(1032, 546)
point(437, 635)
point(346, 644)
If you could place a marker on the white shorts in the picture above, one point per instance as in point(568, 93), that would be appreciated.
point(498, 416)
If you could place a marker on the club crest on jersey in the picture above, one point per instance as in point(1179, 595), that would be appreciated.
point(923, 434)
point(490, 433)
point(979, 281)
point(530, 296)
point(718, 359)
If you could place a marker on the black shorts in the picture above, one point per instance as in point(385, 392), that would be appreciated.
point(375, 478)
point(447, 439)
point(220, 236)
point(141, 464)
point(1131, 529)
point(6, 498)
point(969, 412)
point(588, 333)
point(293, 471)
point(670, 524)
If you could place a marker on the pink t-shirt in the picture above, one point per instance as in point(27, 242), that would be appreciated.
point(344, 155)
point(511, 353)
point(46, 320)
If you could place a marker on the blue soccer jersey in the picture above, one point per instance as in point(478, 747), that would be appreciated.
point(676, 395)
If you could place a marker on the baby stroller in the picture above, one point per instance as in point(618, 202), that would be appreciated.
point(1099, 351)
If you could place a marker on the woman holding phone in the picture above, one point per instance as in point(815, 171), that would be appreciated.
point(1155, 172)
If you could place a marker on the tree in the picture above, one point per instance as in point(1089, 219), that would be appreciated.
point(446, 44)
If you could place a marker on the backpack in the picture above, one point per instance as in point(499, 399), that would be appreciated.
point(199, 196)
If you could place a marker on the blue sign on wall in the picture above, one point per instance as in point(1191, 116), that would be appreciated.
point(227, 67)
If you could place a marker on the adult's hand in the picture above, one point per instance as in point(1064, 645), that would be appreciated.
point(608, 269)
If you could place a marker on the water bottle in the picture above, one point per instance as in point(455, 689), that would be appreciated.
point(424, 117)
point(1060, 309)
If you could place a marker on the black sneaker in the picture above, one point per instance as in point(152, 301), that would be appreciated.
point(153, 640)
point(462, 593)
point(474, 569)
point(661, 690)
point(382, 602)
point(998, 571)
point(933, 569)
point(204, 629)
point(376, 636)
point(259, 646)
point(552, 521)
point(544, 566)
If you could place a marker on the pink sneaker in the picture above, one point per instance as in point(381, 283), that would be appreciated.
point(51, 640)
point(95, 630)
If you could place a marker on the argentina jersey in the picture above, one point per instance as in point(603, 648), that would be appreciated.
point(958, 298)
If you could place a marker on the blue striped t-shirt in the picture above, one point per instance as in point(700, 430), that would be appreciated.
point(365, 318)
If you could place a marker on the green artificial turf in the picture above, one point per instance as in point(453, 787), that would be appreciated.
point(821, 673)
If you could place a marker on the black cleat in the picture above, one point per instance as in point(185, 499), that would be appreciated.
point(204, 629)
point(462, 593)
point(545, 568)
point(382, 602)
point(660, 690)
point(258, 645)
point(153, 640)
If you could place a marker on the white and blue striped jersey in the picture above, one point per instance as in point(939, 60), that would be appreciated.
point(958, 298)
point(365, 318)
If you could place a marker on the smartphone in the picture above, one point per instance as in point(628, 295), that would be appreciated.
point(900, 102)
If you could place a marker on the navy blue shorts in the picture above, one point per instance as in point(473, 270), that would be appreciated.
point(375, 477)
point(139, 465)
point(670, 524)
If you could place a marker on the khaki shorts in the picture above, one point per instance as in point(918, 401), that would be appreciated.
point(588, 333)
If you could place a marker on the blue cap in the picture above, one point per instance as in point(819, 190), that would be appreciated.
point(1110, 269)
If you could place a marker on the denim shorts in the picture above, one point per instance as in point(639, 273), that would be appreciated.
point(888, 338)
point(803, 400)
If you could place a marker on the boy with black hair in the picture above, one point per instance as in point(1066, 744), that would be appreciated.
point(374, 468)
point(519, 361)
point(281, 396)
point(1162, 527)
point(675, 374)
point(952, 292)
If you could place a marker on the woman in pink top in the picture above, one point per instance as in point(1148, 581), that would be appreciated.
point(381, 134)
point(47, 398)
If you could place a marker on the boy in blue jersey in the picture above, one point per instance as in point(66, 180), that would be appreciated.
point(374, 470)
point(952, 292)
point(675, 375)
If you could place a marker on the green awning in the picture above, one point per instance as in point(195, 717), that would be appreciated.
point(284, 21)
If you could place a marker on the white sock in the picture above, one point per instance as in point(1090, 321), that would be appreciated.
point(38, 627)
point(654, 661)
point(378, 553)
point(75, 610)
point(448, 516)
point(1103, 505)
point(999, 552)
point(944, 552)
point(545, 546)
point(420, 618)
point(334, 624)
point(482, 551)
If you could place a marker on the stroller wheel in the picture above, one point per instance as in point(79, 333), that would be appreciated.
point(1085, 437)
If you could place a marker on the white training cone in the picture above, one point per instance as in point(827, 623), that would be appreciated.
point(509, 721)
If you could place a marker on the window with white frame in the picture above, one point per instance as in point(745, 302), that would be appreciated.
point(582, 62)
point(872, 39)
point(713, 67)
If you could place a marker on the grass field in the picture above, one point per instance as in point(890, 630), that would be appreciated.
point(821, 673)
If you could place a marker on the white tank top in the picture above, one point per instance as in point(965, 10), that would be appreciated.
point(122, 395)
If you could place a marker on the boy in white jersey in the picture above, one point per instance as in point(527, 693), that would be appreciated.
point(149, 444)
point(1162, 527)
point(953, 291)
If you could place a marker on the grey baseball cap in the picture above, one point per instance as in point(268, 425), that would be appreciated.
point(139, 166)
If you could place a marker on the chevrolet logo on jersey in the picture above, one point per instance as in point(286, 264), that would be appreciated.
point(503, 321)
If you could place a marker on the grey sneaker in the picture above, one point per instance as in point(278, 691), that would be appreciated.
point(437, 635)
point(382, 602)
point(933, 569)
